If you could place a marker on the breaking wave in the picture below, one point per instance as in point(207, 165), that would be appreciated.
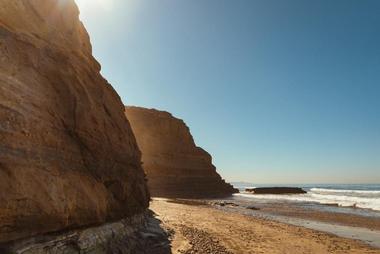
point(366, 199)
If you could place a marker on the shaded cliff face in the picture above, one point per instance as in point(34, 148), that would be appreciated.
point(68, 157)
point(175, 166)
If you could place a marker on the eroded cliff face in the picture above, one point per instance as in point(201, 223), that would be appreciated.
point(68, 157)
point(174, 165)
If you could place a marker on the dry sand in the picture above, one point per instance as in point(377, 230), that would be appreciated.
point(203, 229)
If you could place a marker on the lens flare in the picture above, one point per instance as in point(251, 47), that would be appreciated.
point(105, 4)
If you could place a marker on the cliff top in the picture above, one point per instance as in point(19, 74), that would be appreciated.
point(46, 23)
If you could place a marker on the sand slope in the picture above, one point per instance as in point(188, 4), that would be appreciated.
point(202, 229)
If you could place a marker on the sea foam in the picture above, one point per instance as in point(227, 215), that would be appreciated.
point(367, 199)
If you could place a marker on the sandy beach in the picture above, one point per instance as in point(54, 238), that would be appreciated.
point(197, 228)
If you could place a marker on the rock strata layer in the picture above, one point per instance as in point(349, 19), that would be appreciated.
point(68, 157)
point(174, 165)
point(140, 233)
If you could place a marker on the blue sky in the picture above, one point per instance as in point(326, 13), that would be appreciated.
point(284, 91)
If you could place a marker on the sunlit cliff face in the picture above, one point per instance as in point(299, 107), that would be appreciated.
point(174, 164)
point(55, 21)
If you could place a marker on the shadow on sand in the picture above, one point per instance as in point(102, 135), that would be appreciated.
point(155, 238)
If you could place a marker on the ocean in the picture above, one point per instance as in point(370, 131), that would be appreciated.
point(346, 210)
point(363, 199)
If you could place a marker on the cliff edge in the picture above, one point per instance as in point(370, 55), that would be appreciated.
point(68, 157)
point(174, 165)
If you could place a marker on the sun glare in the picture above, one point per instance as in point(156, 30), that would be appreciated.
point(105, 4)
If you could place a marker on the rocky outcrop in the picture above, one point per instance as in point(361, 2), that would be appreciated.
point(174, 165)
point(140, 233)
point(276, 190)
point(68, 157)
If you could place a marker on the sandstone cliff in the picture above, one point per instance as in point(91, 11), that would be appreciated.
point(68, 157)
point(175, 166)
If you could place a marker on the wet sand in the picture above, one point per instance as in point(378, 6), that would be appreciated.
point(199, 228)
point(329, 217)
point(364, 227)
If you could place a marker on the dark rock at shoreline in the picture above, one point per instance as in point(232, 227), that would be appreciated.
point(138, 234)
point(276, 190)
point(68, 157)
point(224, 203)
point(174, 165)
point(253, 208)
